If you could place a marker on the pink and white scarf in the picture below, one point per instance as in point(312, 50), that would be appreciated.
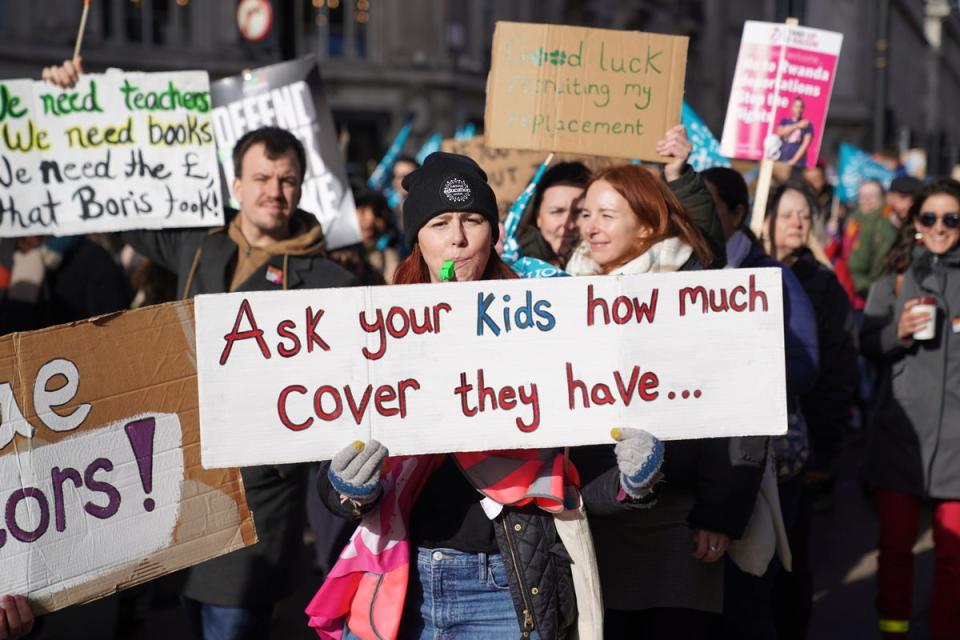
point(367, 586)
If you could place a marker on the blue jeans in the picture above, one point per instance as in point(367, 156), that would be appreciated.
point(212, 622)
point(454, 594)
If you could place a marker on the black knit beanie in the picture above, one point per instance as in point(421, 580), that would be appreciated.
point(447, 182)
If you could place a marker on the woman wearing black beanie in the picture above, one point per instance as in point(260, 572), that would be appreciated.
point(487, 559)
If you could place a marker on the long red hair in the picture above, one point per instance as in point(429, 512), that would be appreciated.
point(657, 209)
point(414, 269)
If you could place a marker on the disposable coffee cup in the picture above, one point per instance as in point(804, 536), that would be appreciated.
point(927, 305)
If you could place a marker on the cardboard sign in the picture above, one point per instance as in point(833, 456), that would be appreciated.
point(100, 480)
point(117, 151)
point(581, 90)
point(289, 95)
point(781, 92)
point(473, 366)
point(509, 170)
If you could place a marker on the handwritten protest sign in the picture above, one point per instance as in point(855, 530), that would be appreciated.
point(292, 376)
point(580, 90)
point(781, 92)
point(117, 151)
point(509, 170)
point(290, 95)
point(100, 480)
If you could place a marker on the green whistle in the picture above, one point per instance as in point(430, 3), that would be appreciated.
point(447, 272)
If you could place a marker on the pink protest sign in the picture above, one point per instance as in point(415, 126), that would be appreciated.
point(781, 92)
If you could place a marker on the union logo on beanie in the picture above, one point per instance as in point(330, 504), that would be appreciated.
point(456, 191)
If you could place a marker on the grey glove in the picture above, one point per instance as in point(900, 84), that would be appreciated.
point(639, 456)
point(355, 471)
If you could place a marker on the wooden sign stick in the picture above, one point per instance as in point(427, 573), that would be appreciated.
point(83, 26)
point(763, 181)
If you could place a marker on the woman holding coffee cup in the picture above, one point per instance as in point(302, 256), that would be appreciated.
point(912, 326)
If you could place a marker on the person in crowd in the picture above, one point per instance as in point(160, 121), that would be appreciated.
point(877, 232)
point(46, 281)
point(16, 618)
point(686, 186)
point(402, 167)
point(911, 327)
point(866, 231)
point(816, 179)
point(375, 258)
point(548, 229)
point(825, 408)
point(796, 134)
point(269, 244)
point(659, 569)
point(824, 225)
point(900, 195)
point(484, 556)
point(748, 607)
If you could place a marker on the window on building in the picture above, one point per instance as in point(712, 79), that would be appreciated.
point(342, 26)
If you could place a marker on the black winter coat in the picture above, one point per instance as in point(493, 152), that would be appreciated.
point(826, 407)
point(87, 283)
point(538, 566)
point(711, 484)
point(269, 570)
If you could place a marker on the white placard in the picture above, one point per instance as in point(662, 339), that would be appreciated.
point(117, 151)
point(89, 504)
point(295, 376)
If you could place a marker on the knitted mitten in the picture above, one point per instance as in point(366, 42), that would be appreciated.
point(639, 456)
point(355, 470)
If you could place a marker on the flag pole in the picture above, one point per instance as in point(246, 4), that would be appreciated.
point(83, 26)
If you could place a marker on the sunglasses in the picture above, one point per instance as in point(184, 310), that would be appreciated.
point(950, 220)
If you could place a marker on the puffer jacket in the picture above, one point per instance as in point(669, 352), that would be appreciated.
point(538, 566)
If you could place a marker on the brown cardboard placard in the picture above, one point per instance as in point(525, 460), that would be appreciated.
point(583, 90)
point(509, 170)
point(101, 486)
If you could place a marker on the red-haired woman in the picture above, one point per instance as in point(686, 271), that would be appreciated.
point(465, 545)
point(656, 583)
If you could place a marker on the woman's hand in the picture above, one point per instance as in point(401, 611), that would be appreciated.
point(639, 456)
point(355, 471)
point(65, 75)
point(710, 545)
point(911, 322)
point(674, 144)
point(16, 619)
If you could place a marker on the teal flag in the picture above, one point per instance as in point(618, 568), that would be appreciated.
point(432, 144)
point(380, 177)
point(853, 167)
point(706, 147)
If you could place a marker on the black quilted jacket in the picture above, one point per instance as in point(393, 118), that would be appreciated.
point(540, 580)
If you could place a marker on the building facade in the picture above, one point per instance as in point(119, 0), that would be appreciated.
point(898, 77)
